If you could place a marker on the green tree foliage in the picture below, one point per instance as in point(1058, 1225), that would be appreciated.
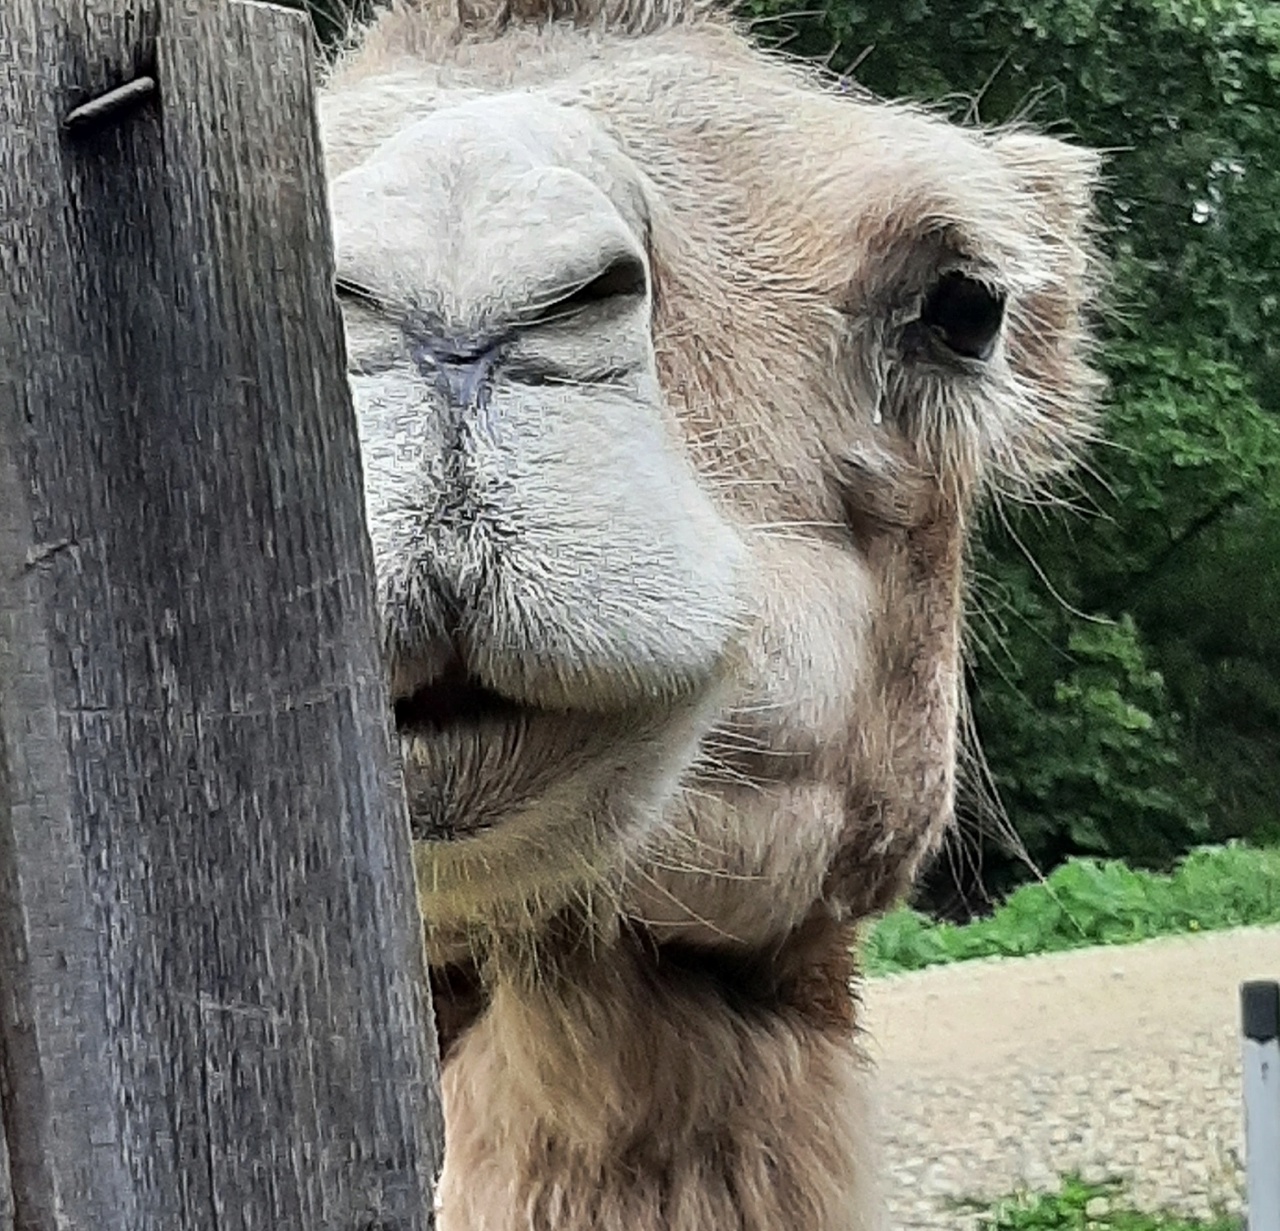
point(335, 19)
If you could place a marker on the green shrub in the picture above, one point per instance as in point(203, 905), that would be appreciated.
point(1091, 902)
point(1086, 1207)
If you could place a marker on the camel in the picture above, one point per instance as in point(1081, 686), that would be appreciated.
point(681, 374)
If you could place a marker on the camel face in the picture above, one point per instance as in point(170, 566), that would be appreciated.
point(678, 376)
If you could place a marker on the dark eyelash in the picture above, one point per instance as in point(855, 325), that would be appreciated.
point(624, 277)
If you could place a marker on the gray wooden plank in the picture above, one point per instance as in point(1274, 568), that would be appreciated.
point(58, 1091)
point(242, 1027)
point(6, 1188)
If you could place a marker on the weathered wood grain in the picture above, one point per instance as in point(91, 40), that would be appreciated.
point(212, 1002)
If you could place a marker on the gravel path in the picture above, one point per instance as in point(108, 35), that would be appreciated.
point(1117, 1061)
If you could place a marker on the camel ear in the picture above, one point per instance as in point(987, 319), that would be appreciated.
point(1050, 326)
point(1063, 179)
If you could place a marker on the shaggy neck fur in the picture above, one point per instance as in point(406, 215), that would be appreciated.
point(594, 1095)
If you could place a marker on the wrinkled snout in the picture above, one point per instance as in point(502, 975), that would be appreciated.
point(539, 529)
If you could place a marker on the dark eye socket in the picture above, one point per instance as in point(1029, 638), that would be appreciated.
point(624, 277)
point(964, 314)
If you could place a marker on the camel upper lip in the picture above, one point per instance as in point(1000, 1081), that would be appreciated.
point(452, 698)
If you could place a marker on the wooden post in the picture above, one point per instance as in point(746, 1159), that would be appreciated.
point(1260, 1011)
point(213, 1010)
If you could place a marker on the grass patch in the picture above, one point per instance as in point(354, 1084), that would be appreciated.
point(1087, 1207)
point(1089, 902)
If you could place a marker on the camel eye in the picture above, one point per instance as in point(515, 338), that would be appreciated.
point(623, 278)
point(964, 314)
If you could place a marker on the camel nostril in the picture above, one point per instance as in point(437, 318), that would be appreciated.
point(965, 314)
point(465, 384)
point(460, 372)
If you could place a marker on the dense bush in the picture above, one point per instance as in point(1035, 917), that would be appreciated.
point(1090, 902)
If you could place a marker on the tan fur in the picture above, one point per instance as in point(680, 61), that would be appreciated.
point(643, 1092)
point(703, 535)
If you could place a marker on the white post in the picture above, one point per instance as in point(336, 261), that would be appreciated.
point(1260, 1010)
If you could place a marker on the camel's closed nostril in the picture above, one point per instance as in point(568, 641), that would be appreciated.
point(460, 374)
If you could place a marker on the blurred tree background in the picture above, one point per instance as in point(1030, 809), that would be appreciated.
point(1125, 657)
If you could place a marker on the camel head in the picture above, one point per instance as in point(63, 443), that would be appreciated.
point(680, 373)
